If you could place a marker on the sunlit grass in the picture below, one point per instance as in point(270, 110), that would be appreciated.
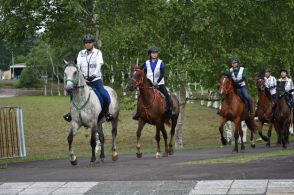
point(46, 131)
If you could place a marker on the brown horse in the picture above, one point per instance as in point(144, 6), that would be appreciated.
point(282, 115)
point(152, 110)
point(265, 108)
point(234, 109)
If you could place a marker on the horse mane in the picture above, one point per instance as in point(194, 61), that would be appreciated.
point(226, 74)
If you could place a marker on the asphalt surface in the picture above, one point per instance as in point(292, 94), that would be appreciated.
point(129, 168)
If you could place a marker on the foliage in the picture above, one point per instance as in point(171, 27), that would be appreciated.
point(196, 38)
point(29, 78)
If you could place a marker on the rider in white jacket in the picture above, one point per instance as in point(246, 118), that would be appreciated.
point(90, 61)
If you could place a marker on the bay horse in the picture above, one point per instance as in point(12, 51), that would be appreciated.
point(85, 108)
point(282, 115)
point(151, 107)
point(234, 109)
point(265, 108)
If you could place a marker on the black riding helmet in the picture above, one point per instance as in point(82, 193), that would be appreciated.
point(284, 70)
point(152, 49)
point(234, 59)
point(267, 70)
point(89, 38)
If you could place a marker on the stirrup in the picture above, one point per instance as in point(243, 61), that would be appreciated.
point(109, 117)
point(136, 117)
point(67, 117)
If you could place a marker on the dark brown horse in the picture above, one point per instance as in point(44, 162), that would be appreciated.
point(151, 108)
point(234, 109)
point(265, 108)
point(282, 115)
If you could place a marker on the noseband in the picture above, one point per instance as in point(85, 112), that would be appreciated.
point(76, 80)
point(138, 83)
point(224, 89)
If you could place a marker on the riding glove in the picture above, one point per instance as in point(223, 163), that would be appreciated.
point(91, 78)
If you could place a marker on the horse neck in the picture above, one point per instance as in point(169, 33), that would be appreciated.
point(81, 92)
point(262, 97)
point(146, 92)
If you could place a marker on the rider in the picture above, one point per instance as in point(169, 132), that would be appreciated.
point(154, 70)
point(270, 84)
point(239, 78)
point(289, 87)
point(89, 62)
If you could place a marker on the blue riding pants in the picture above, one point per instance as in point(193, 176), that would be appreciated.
point(98, 85)
point(245, 95)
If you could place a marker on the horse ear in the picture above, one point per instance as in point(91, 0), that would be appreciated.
point(66, 62)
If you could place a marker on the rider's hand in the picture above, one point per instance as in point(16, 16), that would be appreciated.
point(155, 84)
point(91, 78)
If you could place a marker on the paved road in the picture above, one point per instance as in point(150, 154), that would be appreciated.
point(191, 187)
point(151, 176)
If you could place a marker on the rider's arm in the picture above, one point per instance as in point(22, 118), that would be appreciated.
point(99, 63)
point(161, 72)
point(79, 60)
point(144, 68)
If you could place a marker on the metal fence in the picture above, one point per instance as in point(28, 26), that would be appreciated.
point(12, 140)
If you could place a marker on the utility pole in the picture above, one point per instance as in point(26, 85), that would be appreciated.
point(12, 60)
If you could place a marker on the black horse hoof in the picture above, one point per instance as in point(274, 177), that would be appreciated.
point(268, 145)
point(74, 163)
point(224, 142)
point(139, 155)
point(243, 147)
point(252, 145)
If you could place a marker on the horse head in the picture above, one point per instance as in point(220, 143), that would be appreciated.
point(260, 83)
point(226, 84)
point(137, 78)
point(73, 77)
point(281, 88)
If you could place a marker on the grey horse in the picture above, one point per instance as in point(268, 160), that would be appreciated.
point(85, 108)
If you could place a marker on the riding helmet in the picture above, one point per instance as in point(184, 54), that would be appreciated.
point(235, 59)
point(89, 37)
point(152, 49)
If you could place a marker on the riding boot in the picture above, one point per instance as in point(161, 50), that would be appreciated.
point(251, 109)
point(106, 113)
point(136, 116)
point(67, 117)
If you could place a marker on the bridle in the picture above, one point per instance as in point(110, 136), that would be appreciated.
point(226, 89)
point(139, 83)
point(75, 81)
point(260, 84)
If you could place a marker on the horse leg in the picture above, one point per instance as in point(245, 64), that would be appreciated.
point(238, 130)
point(157, 138)
point(284, 134)
point(269, 134)
point(221, 130)
point(73, 130)
point(172, 134)
point(93, 145)
point(141, 124)
point(164, 135)
point(251, 125)
point(114, 134)
point(101, 139)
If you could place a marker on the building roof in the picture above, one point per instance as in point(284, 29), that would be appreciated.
point(20, 65)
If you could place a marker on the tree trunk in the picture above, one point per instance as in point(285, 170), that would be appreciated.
point(178, 134)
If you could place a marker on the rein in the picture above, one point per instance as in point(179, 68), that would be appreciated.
point(140, 84)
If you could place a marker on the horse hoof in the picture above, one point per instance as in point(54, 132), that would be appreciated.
point(114, 158)
point(171, 152)
point(242, 147)
point(102, 160)
point(75, 162)
point(252, 145)
point(268, 145)
point(165, 154)
point(224, 142)
point(139, 155)
point(157, 156)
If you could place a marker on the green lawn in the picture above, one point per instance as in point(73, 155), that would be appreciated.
point(46, 131)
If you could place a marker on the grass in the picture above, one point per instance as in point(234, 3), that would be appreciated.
point(46, 131)
point(241, 158)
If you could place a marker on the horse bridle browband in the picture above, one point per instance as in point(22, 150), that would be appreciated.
point(226, 90)
point(75, 81)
